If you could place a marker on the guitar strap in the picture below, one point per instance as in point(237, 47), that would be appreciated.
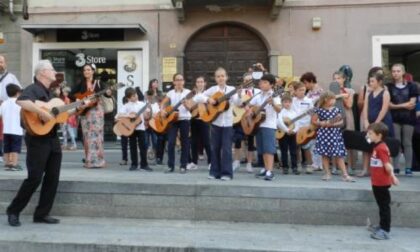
point(4, 76)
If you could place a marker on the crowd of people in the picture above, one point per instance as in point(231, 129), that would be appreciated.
point(285, 111)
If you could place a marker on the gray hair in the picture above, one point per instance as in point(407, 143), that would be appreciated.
point(42, 65)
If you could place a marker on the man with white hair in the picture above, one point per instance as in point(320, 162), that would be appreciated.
point(43, 157)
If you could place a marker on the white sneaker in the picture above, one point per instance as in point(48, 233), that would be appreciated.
point(1, 160)
point(226, 178)
point(236, 164)
point(249, 168)
point(191, 166)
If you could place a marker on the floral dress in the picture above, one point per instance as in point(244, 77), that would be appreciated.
point(93, 136)
point(329, 141)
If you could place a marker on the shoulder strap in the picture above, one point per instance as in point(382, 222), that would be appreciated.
point(4, 76)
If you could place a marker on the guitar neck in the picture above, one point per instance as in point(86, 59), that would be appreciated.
point(67, 107)
point(142, 110)
point(188, 96)
point(301, 116)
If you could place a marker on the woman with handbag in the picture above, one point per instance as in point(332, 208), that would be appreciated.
point(92, 118)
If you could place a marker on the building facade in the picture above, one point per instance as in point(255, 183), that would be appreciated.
point(154, 39)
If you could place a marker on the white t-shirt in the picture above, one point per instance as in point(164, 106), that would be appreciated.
point(175, 97)
point(10, 113)
point(134, 107)
point(270, 114)
point(301, 106)
point(286, 113)
point(10, 78)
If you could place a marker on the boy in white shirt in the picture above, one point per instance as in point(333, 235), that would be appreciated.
point(301, 104)
point(130, 109)
point(266, 140)
point(12, 131)
point(288, 142)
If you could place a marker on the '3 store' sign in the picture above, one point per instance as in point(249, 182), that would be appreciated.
point(82, 59)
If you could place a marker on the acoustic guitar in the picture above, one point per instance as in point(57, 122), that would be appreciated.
point(93, 97)
point(290, 123)
point(125, 126)
point(239, 111)
point(250, 122)
point(56, 107)
point(210, 112)
point(306, 134)
point(160, 123)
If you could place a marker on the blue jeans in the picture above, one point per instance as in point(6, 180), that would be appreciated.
point(151, 137)
point(200, 131)
point(184, 127)
point(68, 130)
point(221, 151)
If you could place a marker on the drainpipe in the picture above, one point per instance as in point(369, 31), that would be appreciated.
point(25, 12)
point(12, 15)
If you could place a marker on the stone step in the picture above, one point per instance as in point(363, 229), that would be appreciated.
point(290, 200)
point(121, 235)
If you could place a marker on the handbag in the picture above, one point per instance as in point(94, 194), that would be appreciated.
point(108, 103)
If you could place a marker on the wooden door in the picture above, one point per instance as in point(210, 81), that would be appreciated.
point(227, 45)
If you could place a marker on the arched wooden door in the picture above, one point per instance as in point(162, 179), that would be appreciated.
point(224, 45)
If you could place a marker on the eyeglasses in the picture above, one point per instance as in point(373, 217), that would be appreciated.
point(179, 79)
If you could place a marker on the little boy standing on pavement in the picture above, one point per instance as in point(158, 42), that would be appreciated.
point(382, 177)
point(12, 130)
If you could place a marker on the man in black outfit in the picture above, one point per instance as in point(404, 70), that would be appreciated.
point(43, 158)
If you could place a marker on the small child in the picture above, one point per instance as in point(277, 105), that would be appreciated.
point(124, 139)
point(11, 128)
point(329, 140)
point(137, 139)
point(382, 177)
point(70, 127)
point(288, 142)
point(301, 104)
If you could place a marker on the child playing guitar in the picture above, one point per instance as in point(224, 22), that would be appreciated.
point(266, 140)
point(221, 128)
point(182, 124)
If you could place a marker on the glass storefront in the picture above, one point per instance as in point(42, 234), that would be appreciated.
point(68, 63)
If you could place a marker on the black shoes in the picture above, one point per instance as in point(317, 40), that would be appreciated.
point(13, 220)
point(133, 168)
point(46, 220)
point(169, 170)
point(146, 168)
point(158, 161)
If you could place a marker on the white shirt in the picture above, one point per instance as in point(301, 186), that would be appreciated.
point(270, 114)
point(225, 119)
point(175, 97)
point(10, 112)
point(134, 107)
point(286, 113)
point(301, 106)
point(10, 78)
point(155, 108)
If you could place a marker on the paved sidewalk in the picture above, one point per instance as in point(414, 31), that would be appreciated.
point(90, 234)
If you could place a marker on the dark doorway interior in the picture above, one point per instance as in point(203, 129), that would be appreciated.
point(231, 46)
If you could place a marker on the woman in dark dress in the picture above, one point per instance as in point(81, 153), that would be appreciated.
point(92, 119)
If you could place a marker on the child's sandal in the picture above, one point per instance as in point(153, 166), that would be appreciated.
point(326, 177)
point(347, 178)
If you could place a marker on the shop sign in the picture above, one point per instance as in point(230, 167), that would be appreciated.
point(130, 71)
point(80, 35)
point(83, 59)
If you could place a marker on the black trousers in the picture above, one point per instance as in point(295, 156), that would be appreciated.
point(161, 142)
point(200, 132)
point(138, 142)
point(288, 144)
point(124, 147)
point(383, 199)
point(184, 129)
point(43, 161)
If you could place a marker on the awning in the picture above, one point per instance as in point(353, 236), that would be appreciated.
point(37, 28)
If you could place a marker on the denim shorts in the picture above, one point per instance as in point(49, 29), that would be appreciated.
point(266, 141)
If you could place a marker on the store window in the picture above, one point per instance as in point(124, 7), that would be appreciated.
point(68, 63)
